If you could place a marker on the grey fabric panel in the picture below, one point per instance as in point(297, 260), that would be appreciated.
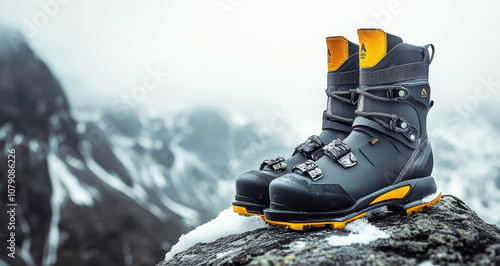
point(393, 74)
point(365, 122)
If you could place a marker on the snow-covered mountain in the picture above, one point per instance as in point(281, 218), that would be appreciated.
point(99, 188)
point(467, 161)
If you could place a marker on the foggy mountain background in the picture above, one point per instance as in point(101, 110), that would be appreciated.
point(239, 74)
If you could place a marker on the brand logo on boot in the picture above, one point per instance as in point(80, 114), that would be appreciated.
point(423, 94)
point(362, 51)
point(329, 55)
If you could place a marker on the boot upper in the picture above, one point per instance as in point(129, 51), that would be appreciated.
point(342, 81)
point(388, 142)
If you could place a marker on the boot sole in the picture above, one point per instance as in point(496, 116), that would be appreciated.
point(406, 197)
point(249, 209)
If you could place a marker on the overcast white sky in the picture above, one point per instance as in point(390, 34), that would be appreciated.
point(253, 56)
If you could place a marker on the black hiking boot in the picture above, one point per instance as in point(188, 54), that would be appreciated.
point(385, 161)
point(252, 188)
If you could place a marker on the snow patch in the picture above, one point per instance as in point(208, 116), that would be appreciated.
point(26, 246)
point(33, 145)
point(426, 263)
point(224, 254)
point(227, 223)
point(4, 130)
point(376, 212)
point(80, 128)
point(75, 162)
point(136, 193)
point(431, 197)
point(18, 139)
point(60, 174)
point(362, 232)
point(56, 202)
point(152, 177)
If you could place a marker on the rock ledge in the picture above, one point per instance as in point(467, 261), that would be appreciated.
point(447, 233)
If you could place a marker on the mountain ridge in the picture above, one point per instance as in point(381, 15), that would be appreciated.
point(100, 189)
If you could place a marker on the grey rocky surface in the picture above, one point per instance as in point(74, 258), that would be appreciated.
point(449, 233)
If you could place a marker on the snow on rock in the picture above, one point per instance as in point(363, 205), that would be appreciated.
point(224, 254)
point(426, 263)
point(446, 233)
point(227, 223)
point(362, 232)
point(432, 196)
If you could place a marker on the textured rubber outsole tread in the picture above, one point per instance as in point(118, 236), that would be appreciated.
point(302, 226)
point(243, 211)
point(341, 224)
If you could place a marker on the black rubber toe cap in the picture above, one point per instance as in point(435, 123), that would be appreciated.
point(294, 192)
point(253, 187)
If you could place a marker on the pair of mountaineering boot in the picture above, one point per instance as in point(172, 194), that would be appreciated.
point(373, 151)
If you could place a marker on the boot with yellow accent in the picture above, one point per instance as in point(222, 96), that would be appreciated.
point(252, 188)
point(386, 161)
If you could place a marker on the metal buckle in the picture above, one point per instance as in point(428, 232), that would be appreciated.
point(309, 168)
point(397, 93)
point(311, 148)
point(348, 160)
point(405, 128)
point(354, 99)
point(278, 165)
point(339, 151)
point(401, 127)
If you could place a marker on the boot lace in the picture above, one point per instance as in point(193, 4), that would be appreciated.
point(341, 97)
point(394, 93)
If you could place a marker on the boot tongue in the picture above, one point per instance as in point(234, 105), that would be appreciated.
point(374, 44)
point(339, 49)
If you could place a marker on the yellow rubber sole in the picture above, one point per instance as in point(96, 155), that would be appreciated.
point(243, 211)
point(420, 207)
point(300, 226)
point(341, 224)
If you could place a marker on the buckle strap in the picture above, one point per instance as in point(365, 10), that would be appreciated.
point(339, 151)
point(308, 168)
point(342, 78)
point(311, 148)
point(400, 125)
point(396, 123)
point(278, 165)
point(394, 74)
point(393, 93)
point(369, 122)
